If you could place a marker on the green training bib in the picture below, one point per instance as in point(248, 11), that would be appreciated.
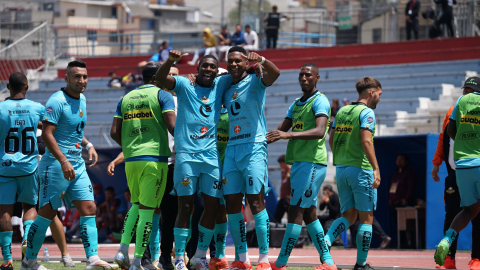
point(467, 140)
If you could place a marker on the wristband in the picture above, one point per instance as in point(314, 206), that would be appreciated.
point(88, 146)
point(61, 163)
point(263, 61)
point(255, 65)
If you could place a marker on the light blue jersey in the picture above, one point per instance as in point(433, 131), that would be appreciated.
point(18, 140)
point(197, 114)
point(245, 102)
point(69, 114)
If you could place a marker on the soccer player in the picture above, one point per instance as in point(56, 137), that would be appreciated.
point(358, 174)
point(308, 117)
point(142, 121)
point(246, 157)
point(197, 164)
point(19, 118)
point(464, 128)
point(62, 169)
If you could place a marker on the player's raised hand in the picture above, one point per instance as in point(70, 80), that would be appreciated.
point(176, 55)
point(252, 57)
point(68, 171)
point(111, 168)
point(92, 153)
point(376, 178)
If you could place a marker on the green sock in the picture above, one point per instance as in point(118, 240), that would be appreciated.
point(144, 229)
point(130, 225)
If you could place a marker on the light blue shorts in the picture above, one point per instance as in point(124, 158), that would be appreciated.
point(54, 187)
point(198, 172)
point(468, 182)
point(245, 169)
point(306, 180)
point(355, 189)
point(26, 187)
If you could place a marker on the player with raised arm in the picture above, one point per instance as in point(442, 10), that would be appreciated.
point(197, 163)
point(464, 128)
point(358, 174)
point(246, 157)
point(141, 124)
point(19, 118)
point(62, 169)
point(308, 117)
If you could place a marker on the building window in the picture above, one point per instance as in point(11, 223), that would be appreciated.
point(70, 12)
point(114, 12)
point(377, 35)
point(48, 7)
point(151, 24)
point(91, 35)
point(127, 18)
point(113, 37)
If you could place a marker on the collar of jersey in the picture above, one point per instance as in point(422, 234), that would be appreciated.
point(63, 90)
point(241, 79)
point(314, 94)
point(146, 86)
point(358, 103)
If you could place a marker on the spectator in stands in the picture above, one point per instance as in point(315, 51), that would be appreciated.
point(238, 38)
point(224, 42)
point(273, 24)
point(159, 56)
point(284, 202)
point(411, 13)
point(107, 211)
point(445, 15)
point(131, 82)
point(209, 46)
point(331, 202)
point(403, 185)
point(251, 39)
point(98, 194)
point(128, 197)
point(114, 80)
point(346, 102)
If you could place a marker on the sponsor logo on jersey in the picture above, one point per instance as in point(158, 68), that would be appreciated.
point(186, 182)
point(138, 107)
point(138, 97)
point(138, 115)
point(222, 138)
point(298, 126)
point(237, 108)
point(370, 119)
point(139, 130)
point(208, 109)
point(243, 136)
point(450, 190)
point(222, 130)
point(344, 129)
point(235, 95)
point(206, 136)
point(18, 112)
point(49, 109)
point(80, 113)
point(341, 142)
point(469, 119)
point(473, 112)
point(77, 145)
point(7, 163)
point(469, 135)
point(204, 130)
point(237, 129)
point(73, 152)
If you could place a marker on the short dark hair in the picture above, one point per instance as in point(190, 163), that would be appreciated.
point(247, 26)
point(174, 66)
point(328, 187)
point(281, 159)
point(149, 70)
point(206, 57)
point(310, 65)
point(76, 63)
point(111, 73)
point(237, 49)
point(110, 188)
point(367, 83)
point(17, 81)
point(163, 43)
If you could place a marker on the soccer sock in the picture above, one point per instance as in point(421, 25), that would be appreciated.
point(36, 236)
point(180, 236)
point(238, 231)
point(450, 235)
point(204, 238)
point(292, 232)
point(155, 238)
point(6, 244)
point(189, 229)
point(262, 228)
point(144, 229)
point(89, 234)
point(129, 226)
point(337, 228)
point(317, 234)
point(26, 228)
point(220, 239)
point(364, 238)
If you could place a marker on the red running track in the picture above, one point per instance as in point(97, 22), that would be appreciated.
point(299, 257)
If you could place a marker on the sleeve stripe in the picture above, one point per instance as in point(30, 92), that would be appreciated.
point(118, 116)
point(168, 110)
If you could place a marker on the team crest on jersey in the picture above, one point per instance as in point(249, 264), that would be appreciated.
point(80, 113)
point(450, 190)
point(49, 109)
point(224, 180)
point(185, 181)
point(235, 95)
point(62, 195)
point(205, 99)
point(18, 105)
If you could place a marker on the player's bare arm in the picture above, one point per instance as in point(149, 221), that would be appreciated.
point(116, 130)
point(330, 139)
point(170, 118)
point(51, 144)
point(367, 144)
point(92, 153)
point(312, 134)
point(162, 76)
point(111, 167)
point(285, 126)
point(452, 129)
point(271, 71)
